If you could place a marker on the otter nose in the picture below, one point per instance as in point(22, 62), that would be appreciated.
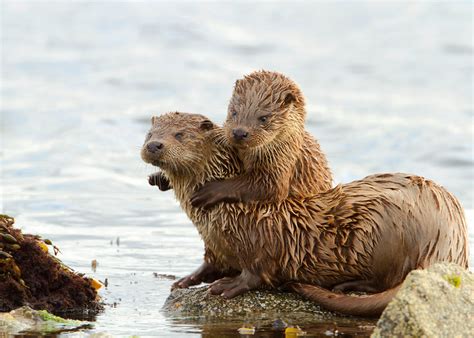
point(154, 147)
point(240, 134)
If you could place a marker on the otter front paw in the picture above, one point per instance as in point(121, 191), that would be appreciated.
point(229, 287)
point(210, 194)
point(206, 273)
point(186, 282)
point(160, 181)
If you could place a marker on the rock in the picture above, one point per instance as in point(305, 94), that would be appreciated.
point(263, 310)
point(438, 301)
point(198, 301)
point(25, 319)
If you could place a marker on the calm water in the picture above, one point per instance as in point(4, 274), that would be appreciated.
point(389, 88)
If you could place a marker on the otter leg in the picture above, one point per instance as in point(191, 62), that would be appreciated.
point(160, 181)
point(230, 287)
point(206, 273)
point(239, 189)
point(356, 285)
point(214, 192)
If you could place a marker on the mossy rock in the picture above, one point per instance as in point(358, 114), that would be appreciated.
point(436, 302)
point(27, 320)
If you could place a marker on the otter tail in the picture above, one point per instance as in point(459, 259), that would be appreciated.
point(368, 306)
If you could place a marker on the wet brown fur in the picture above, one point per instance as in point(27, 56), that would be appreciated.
point(367, 305)
point(364, 235)
point(280, 159)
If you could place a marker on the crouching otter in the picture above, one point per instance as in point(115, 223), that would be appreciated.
point(365, 235)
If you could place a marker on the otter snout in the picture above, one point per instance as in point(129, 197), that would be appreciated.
point(240, 134)
point(154, 147)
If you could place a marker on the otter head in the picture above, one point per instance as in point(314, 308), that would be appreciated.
point(177, 142)
point(263, 106)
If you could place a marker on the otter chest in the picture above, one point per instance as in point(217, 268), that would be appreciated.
point(213, 232)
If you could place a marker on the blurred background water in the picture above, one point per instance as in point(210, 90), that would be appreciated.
point(388, 85)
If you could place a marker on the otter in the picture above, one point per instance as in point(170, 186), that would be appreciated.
point(212, 268)
point(265, 124)
point(365, 235)
point(270, 121)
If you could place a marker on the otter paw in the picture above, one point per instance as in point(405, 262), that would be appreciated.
point(204, 198)
point(228, 287)
point(210, 194)
point(160, 181)
point(206, 273)
point(185, 282)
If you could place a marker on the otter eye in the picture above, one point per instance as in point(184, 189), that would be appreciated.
point(234, 113)
point(148, 136)
point(178, 136)
point(263, 119)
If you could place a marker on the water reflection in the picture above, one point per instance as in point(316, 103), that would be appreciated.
point(212, 328)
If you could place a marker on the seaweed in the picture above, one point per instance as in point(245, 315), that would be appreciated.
point(30, 275)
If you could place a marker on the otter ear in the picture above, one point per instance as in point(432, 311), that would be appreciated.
point(206, 125)
point(289, 98)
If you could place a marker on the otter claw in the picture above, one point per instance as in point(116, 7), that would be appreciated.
point(184, 283)
point(152, 179)
point(231, 287)
point(205, 273)
point(160, 181)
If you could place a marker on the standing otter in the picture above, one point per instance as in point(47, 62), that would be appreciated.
point(212, 268)
point(365, 235)
point(265, 123)
point(270, 121)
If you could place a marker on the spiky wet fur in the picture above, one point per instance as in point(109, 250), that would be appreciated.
point(374, 230)
point(279, 157)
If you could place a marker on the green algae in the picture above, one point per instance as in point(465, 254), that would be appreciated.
point(453, 279)
point(27, 320)
point(46, 316)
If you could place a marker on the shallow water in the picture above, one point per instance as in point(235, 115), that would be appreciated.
point(388, 86)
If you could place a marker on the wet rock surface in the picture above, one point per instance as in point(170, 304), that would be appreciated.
point(262, 310)
point(438, 301)
point(198, 301)
point(27, 320)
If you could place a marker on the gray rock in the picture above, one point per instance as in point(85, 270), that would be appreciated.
point(436, 302)
point(262, 310)
point(27, 320)
point(199, 302)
